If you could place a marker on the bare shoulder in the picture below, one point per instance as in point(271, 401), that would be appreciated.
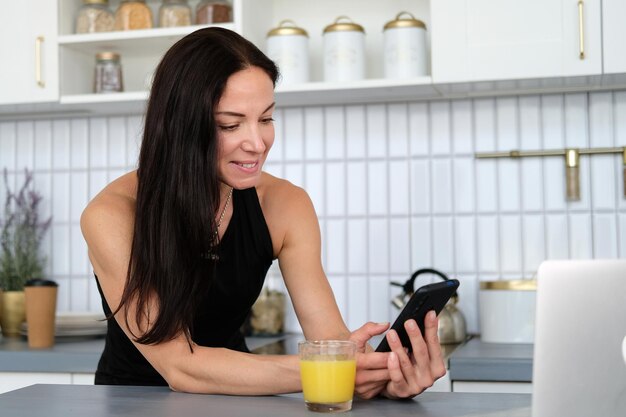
point(288, 211)
point(278, 195)
point(108, 220)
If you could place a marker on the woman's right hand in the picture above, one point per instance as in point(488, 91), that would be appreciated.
point(372, 374)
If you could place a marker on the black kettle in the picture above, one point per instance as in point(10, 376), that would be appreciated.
point(452, 327)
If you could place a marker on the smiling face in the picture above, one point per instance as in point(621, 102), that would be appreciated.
point(245, 129)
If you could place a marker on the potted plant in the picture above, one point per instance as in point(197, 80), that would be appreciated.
point(21, 233)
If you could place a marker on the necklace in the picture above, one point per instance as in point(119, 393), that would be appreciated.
point(210, 254)
point(219, 222)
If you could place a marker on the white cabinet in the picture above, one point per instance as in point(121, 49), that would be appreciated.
point(478, 40)
point(614, 35)
point(28, 44)
point(141, 51)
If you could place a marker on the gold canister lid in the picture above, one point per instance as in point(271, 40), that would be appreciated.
point(287, 28)
point(107, 56)
point(348, 26)
point(406, 22)
point(510, 285)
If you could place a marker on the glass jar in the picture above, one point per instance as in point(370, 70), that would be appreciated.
point(108, 73)
point(208, 12)
point(94, 16)
point(174, 13)
point(133, 14)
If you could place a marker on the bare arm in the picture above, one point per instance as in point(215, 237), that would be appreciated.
point(107, 226)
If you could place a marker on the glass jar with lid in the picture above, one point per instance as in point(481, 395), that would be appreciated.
point(174, 13)
point(94, 16)
point(133, 14)
point(208, 12)
point(108, 73)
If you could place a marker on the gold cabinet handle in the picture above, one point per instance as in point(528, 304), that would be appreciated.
point(581, 29)
point(38, 77)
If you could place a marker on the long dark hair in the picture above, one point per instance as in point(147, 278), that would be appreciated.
point(178, 191)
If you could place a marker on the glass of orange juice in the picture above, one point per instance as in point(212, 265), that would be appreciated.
point(328, 370)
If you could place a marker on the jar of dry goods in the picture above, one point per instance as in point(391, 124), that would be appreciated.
point(108, 73)
point(213, 12)
point(344, 51)
point(133, 14)
point(406, 54)
point(288, 47)
point(94, 16)
point(174, 13)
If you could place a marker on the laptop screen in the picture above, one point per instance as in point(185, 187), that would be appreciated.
point(579, 368)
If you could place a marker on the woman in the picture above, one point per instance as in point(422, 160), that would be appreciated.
point(180, 248)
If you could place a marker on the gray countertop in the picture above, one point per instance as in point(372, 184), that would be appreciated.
point(473, 361)
point(100, 401)
point(479, 361)
point(69, 355)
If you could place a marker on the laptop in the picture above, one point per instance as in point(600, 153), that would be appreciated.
point(579, 368)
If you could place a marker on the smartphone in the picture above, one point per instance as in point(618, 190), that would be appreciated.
point(426, 298)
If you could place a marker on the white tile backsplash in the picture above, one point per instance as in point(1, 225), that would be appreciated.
point(25, 144)
point(395, 185)
point(43, 144)
point(313, 133)
point(576, 114)
point(336, 246)
point(293, 142)
point(378, 246)
point(7, 145)
point(356, 135)
point(79, 143)
point(336, 189)
point(461, 135)
point(376, 130)
point(116, 142)
point(398, 129)
point(419, 139)
point(334, 128)
point(440, 128)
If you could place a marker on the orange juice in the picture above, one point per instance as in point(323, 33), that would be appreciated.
point(327, 381)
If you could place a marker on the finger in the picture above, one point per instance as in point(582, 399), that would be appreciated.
point(404, 360)
point(420, 350)
point(395, 372)
point(363, 334)
point(366, 376)
point(372, 360)
point(371, 390)
point(437, 366)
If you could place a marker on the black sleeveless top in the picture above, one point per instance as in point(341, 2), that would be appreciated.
point(245, 254)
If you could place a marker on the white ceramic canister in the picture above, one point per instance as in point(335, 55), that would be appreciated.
point(507, 311)
point(288, 47)
point(406, 55)
point(344, 51)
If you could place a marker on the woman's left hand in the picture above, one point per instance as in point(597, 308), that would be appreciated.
point(411, 373)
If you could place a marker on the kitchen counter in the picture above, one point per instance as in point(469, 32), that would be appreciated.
point(69, 355)
point(473, 361)
point(100, 401)
point(479, 361)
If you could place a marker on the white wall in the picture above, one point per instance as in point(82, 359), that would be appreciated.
point(396, 188)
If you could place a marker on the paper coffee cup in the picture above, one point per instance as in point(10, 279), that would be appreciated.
point(41, 304)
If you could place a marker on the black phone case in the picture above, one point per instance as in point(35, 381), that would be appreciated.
point(426, 298)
